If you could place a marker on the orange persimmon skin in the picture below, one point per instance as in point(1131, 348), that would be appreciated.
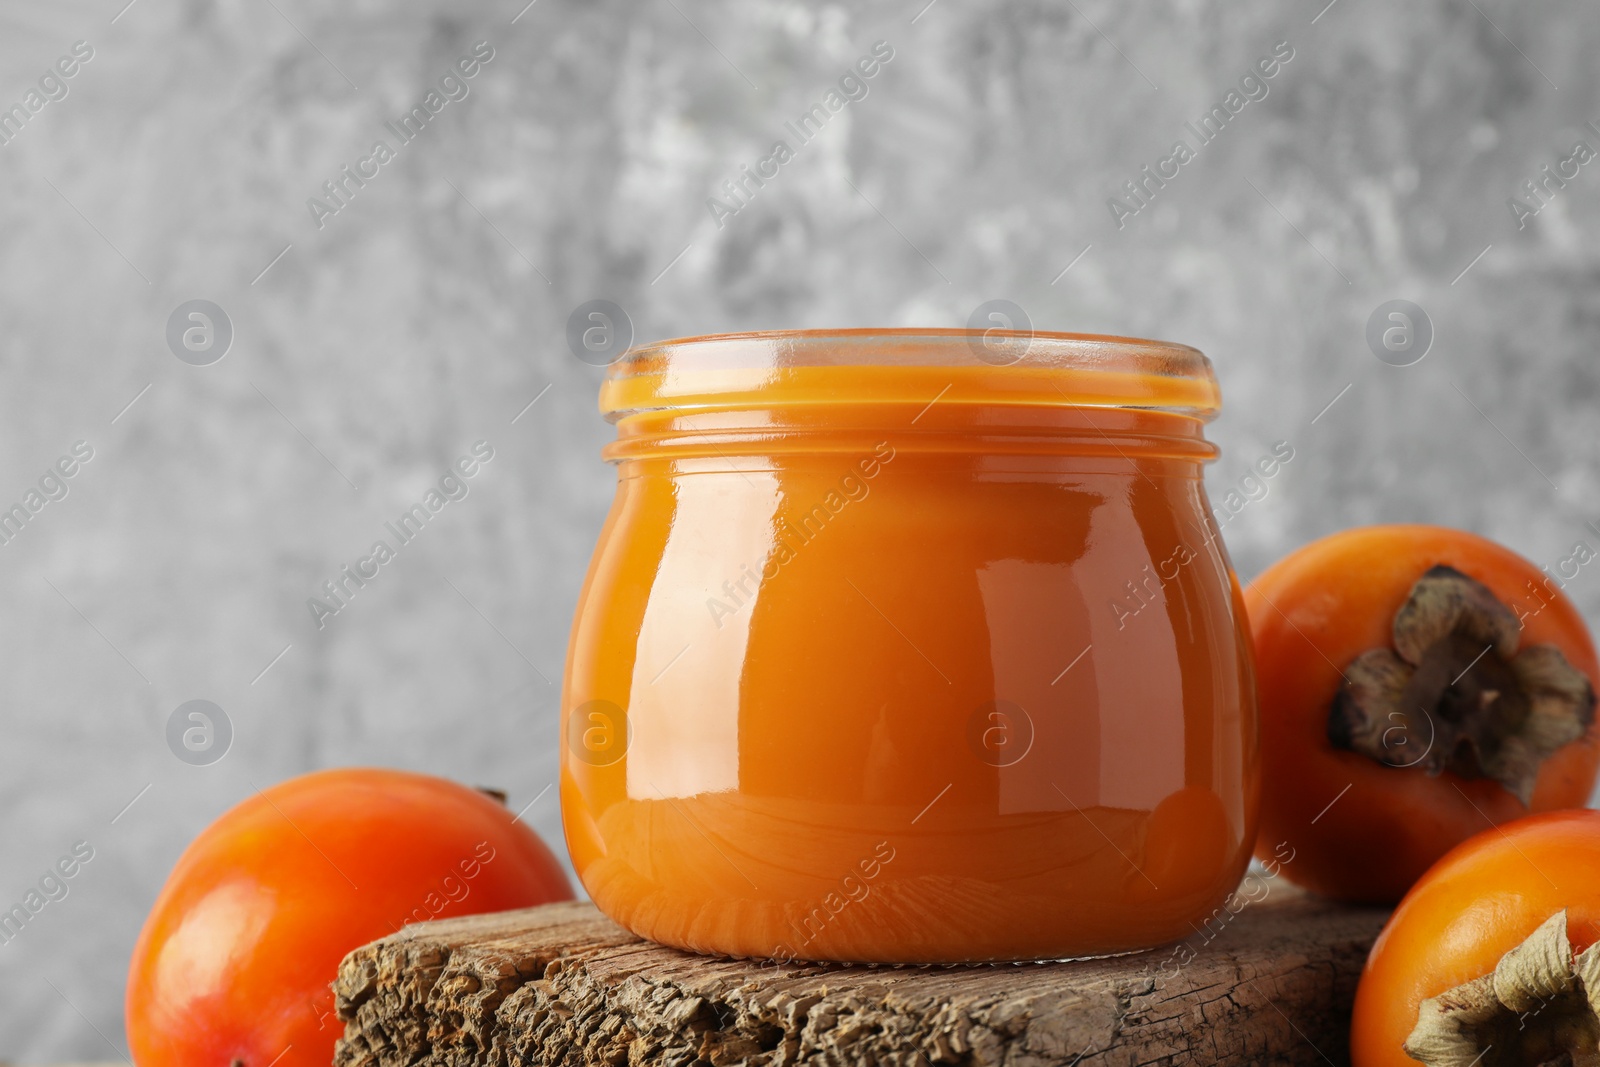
point(234, 963)
point(1311, 614)
point(1479, 902)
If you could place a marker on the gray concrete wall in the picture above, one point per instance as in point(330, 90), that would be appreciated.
point(432, 309)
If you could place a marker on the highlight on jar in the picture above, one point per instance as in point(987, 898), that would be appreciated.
point(894, 651)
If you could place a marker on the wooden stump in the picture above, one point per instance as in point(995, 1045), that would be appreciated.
point(564, 985)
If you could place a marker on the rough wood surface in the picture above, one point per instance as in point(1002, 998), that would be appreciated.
point(564, 985)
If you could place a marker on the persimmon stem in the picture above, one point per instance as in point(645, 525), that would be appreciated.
point(1455, 693)
point(1540, 1005)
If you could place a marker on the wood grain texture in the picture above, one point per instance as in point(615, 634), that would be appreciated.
point(564, 985)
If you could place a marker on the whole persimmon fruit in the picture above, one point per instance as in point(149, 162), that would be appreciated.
point(1490, 959)
point(1417, 685)
point(234, 964)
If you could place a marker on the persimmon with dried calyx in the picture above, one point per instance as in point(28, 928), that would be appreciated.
point(1493, 958)
point(234, 964)
point(1417, 685)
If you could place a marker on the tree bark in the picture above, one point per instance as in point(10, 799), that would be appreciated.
point(564, 985)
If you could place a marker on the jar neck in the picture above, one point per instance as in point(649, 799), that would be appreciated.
point(955, 428)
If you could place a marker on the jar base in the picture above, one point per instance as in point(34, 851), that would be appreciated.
point(1023, 961)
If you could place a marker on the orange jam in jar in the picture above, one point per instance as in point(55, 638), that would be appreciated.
point(909, 646)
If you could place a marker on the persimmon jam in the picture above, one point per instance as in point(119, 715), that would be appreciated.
point(909, 646)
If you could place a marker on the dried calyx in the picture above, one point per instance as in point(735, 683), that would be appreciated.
point(1455, 694)
point(1541, 1006)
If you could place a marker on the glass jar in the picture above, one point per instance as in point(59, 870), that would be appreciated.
point(909, 646)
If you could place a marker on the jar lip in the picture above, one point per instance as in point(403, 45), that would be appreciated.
point(897, 364)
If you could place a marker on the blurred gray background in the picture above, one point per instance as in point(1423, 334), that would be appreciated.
point(431, 310)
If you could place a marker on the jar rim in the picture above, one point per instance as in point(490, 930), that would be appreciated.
point(731, 370)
